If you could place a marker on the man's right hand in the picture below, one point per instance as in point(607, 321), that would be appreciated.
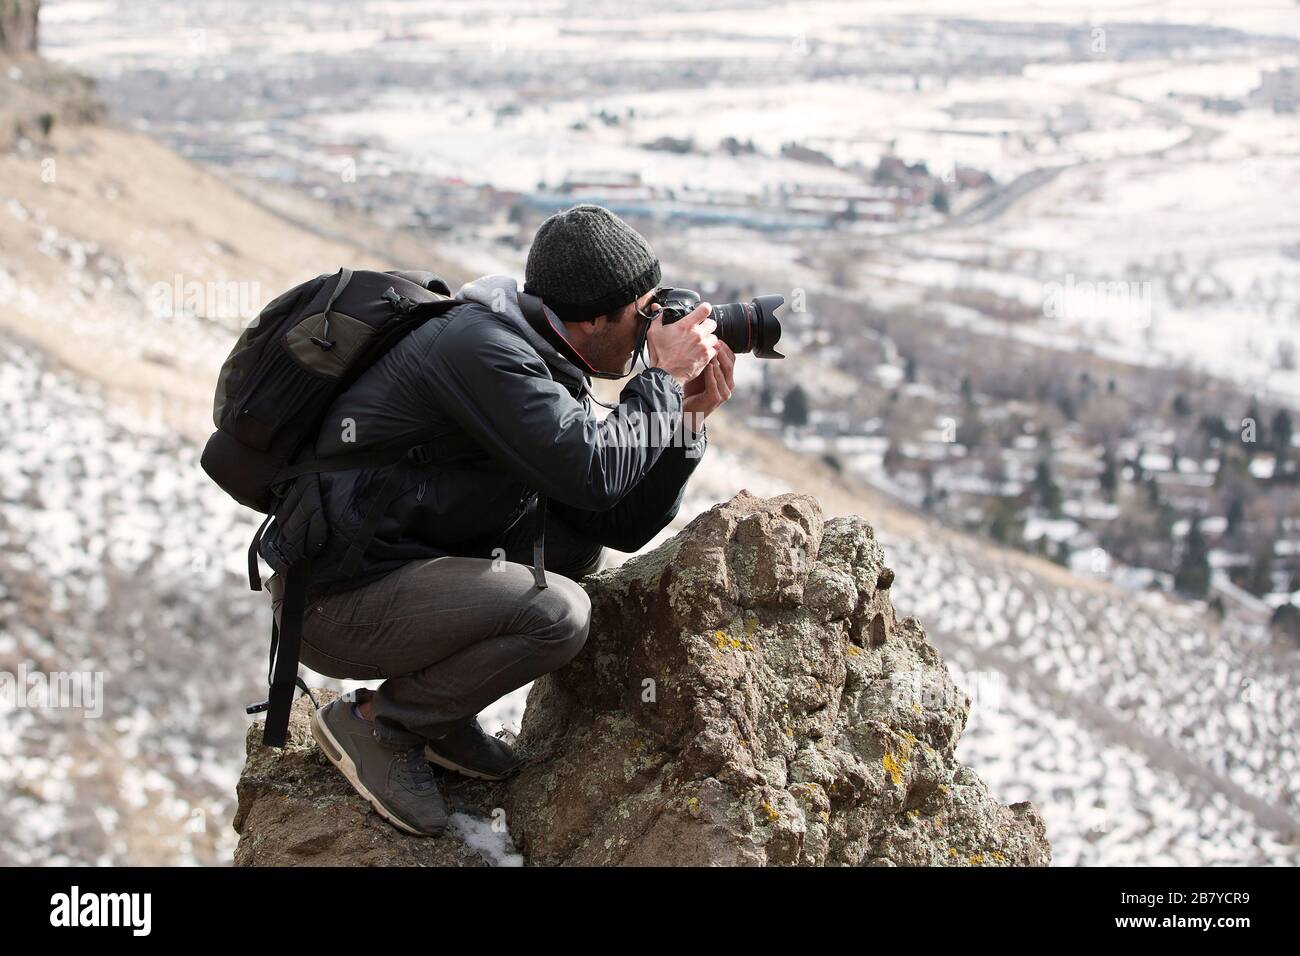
point(683, 348)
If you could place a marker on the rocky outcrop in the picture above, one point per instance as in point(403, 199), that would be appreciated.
point(747, 697)
point(19, 23)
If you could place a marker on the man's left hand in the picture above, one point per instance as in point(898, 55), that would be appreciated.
point(709, 389)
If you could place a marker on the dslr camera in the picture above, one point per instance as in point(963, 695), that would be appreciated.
point(745, 326)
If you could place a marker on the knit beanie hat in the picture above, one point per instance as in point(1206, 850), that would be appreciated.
point(586, 262)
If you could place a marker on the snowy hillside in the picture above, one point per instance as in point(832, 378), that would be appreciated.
point(107, 532)
point(1144, 732)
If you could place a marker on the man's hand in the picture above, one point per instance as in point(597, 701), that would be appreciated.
point(710, 388)
point(685, 347)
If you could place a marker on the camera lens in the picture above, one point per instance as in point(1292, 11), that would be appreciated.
point(745, 326)
point(750, 326)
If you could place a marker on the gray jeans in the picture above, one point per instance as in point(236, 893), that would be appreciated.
point(448, 636)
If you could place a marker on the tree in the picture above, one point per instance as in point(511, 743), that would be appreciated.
point(1285, 622)
point(892, 459)
point(1136, 463)
point(967, 392)
point(794, 410)
point(970, 432)
point(1193, 574)
point(1214, 428)
point(1109, 473)
point(1065, 402)
point(1046, 490)
point(1003, 522)
point(1236, 515)
point(1259, 576)
point(1281, 434)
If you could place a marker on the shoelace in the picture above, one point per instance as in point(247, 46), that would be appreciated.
point(413, 771)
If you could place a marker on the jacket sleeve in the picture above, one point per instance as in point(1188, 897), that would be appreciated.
point(646, 509)
point(502, 394)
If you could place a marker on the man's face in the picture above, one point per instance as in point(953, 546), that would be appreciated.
point(609, 344)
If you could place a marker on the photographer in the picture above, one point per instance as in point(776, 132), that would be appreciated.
point(444, 606)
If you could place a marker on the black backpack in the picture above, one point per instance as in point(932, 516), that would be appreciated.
point(301, 352)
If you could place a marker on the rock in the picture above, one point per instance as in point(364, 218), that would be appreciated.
point(747, 696)
point(295, 809)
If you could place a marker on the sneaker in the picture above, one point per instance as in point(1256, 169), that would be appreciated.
point(469, 751)
point(399, 784)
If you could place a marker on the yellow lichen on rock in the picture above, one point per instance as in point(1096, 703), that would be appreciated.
point(726, 642)
point(895, 764)
point(894, 767)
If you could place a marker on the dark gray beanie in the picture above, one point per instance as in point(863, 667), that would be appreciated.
point(586, 262)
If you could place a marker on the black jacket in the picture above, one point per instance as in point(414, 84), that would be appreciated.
point(481, 380)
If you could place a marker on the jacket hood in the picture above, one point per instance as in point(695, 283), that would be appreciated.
point(500, 294)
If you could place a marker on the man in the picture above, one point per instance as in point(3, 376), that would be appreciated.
point(445, 608)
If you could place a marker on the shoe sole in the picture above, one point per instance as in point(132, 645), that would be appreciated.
point(336, 755)
point(446, 764)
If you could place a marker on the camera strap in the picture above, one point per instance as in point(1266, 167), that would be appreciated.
point(534, 312)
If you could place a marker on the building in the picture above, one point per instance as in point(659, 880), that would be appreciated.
point(1279, 89)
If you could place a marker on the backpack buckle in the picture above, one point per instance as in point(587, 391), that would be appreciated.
point(400, 302)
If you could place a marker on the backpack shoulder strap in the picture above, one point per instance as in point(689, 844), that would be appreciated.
point(286, 645)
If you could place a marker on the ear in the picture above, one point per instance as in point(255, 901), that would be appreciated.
point(580, 333)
